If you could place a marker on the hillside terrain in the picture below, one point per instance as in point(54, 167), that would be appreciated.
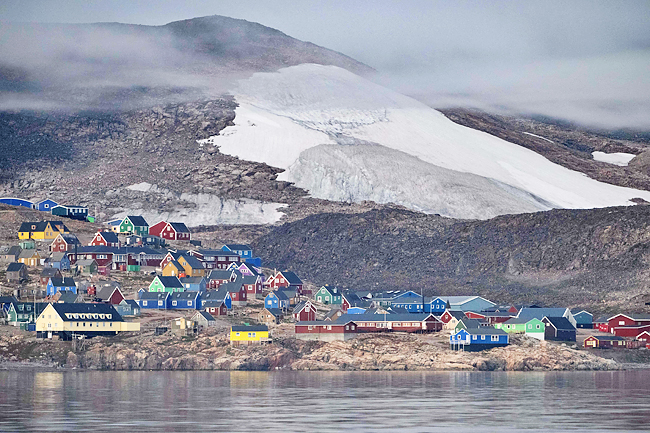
point(594, 258)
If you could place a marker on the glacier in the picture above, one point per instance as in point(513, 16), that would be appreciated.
point(343, 137)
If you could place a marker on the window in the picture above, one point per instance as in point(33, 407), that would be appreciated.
point(189, 303)
point(495, 338)
point(474, 337)
point(482, 337)
point(174, 303)
point(237, 334)
point(347, 327)
point(144, 303)
point(49, 325)
point(538, 326)
point(160, 303)
point(621, 322)
point(530, 326)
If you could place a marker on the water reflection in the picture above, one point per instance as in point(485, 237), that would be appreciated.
point(323, 401)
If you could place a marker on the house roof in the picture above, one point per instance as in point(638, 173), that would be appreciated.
point(14, 250)
point(485, 330)
point(26, 254)
point(109, 237)
point(7, 299)
point(215, 295)
point(300, 306)
point(280, 295)
point(238, 247)
point(560, 323)
point(331, 313)
point(290, 294)
point(170, 281)
point(69, 238)
point(193, 262)
point(137, 220)
point(15, 267)
point(80, 308)
point(211, 303)
point(407, 317)
point(470, 323)
point(68, 296)
point(291, 277)
point(185, 295)
point(251, 328)
point(62, 282)
point(207, 316)
point(176, 264)
point(85, 262)
point(540, 313)
point(456, 314)
point(146, 296)
point(49, 272)
point(606, 337)
point(131, 303)
point(180, 227)
point(276, 312)
point(576, 311)
point(232, 287)
point(632, 316)
point(191, 280)
point(250, 279)
point(58, 256)
point(218, 274)
point(519, 320)
point(105, 292)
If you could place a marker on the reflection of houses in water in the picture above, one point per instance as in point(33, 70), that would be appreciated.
point(48, 392)
point(249, 379)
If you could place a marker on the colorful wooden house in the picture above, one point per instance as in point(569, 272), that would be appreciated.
point(407, 322)
point(325, 330)
point(48, 273)
point(285, 279)
point(71, 320)
point(114, 225)
point(335, 313)
point(583, 318)
point(270, 315)
point(237, 292)
point(249, 335)
point(105, 239)
point(59, 284)
point(71, 211)
point(60, 261)
point(185, 300)
point(214, 307)
point(192, 266)
point(27, 244)
point(247, 269)
point(243, 251)
point(605, 342)
point(173, 269)
point(450, 319)
point(219, 295)
point(154, 300)
point(166, 284)
point(24, 312)
point(67, 296)
point(540, 313)
point(134, 224)
point(254, 286)
point(30, 258)
point(304, 312)
point(110, 294)
point(12, 254)
point(171, 231)
point(329, 295)
point(559, 329)
point(277, 299)
point(128, 307)
point(204, 319)
point(42, 230)
point(628, 325)
point(16, 272)
point(86, 266)
point(64, 242)
point(217, 277)
point(45, 205)
point(216, 259)
point(481, 338)
point(194, 284)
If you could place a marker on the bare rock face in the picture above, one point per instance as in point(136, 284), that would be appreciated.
point(641, 162)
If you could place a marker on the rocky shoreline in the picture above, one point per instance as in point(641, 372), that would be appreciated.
point(366, 353)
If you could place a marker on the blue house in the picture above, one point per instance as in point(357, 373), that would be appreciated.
point(480, 338)
point(276, 299)
point(411, 304)
point(243, 251)
point(438, 305)
point(583, 318)
point(217, 296)
point(194, 284)
point(13, 201)
point(154, 300)
point(407, 295)
point(356, 310)
point(45, 205)
point(128, 307)
point(185, 301)
point(60, 284)
point(59, 261)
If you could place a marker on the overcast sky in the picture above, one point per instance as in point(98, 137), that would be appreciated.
point(584, 61)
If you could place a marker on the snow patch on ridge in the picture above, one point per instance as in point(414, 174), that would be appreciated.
point(284, 114)
point(619, 158)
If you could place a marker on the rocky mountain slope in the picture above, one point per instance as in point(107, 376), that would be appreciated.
point(597, 258)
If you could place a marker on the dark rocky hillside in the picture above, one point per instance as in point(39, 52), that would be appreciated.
point(568, 145)
point(597, 258)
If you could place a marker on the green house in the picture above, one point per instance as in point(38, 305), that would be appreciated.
point(132, 224)
point(166, 284)
point(23, 312)
point(27, 244)
point(531, 327)
point(329, 295)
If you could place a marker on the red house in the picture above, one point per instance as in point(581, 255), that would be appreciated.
point(473, 315)
point(448, 315)
point(408, 322)
point(218, 277)
point(110, 294)
point(171, 231)
point(64, 243)
point(285, 279)
point(237, 292)
point(628, 325)
point(253, 285)
point(630, 331)
point(304, 311)
point(644, 336)
point(216, 308)
point(326, 330)
point(105, 239)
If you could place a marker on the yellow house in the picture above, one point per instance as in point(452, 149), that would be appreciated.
point(68, 320)
point(173, 269)
point(30, 257)
point(192, 266)
point(41, 230)
point(248, 335)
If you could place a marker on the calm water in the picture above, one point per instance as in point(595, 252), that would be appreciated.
point(329, 402)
